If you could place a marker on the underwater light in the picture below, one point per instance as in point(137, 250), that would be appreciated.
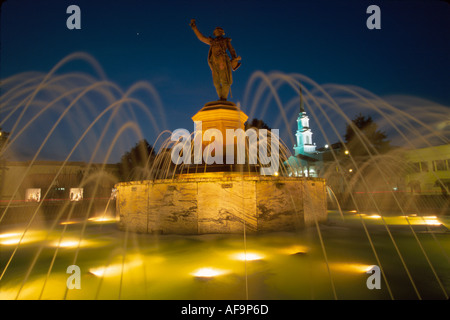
point(247, 256)
point(111, 270)
point(351, 267)
point(67, 244)
point(208, 273)
point(71, 243)
point(115, 269)
point(102, 219)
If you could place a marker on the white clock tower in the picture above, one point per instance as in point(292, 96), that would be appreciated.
point(304, 133)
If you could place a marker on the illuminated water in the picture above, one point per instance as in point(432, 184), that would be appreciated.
point(121, 265)
point(79, 116)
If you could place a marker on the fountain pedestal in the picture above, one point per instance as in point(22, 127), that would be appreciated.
point(221, 115)
point(221, 202)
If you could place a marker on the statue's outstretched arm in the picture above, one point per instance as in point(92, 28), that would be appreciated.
point(199, 35)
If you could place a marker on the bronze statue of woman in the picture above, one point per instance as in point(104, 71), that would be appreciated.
point(218, 59)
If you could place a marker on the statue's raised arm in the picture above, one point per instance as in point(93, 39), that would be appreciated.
point(199, 35)
point(220, 63)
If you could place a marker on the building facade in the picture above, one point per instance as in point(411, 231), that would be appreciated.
point(54, 180)
point(428, 170)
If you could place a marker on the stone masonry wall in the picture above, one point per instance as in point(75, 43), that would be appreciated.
point(220, 203)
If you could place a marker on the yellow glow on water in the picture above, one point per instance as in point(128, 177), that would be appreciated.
point(374, 216)
point(9, 235)
point(208, 272)
point(68, 222)
point(12, 238)
point(247, 256)
point(351, 267)
point(353, 211)
point(71, 243)
point(113, 270)
point(10, 241)
point(432, 222)
point(295, 249)
point(102, 219)
point(427, 220)
point(32, 289)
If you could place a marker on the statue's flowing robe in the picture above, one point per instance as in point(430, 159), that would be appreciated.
point(219, 61)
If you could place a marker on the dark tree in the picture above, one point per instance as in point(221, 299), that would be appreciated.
point(256, 123)
point(363, 132)
point(135, 164)
point(3, 138)
point(260, 124)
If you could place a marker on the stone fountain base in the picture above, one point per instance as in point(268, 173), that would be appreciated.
point(220, 203)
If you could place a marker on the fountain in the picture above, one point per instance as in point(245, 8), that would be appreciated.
point(210, 224)
point(225, 200)
point(221, 198)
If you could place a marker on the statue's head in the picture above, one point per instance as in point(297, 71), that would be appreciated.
point(218, 32)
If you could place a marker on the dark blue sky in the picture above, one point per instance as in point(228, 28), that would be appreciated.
point(328, 41)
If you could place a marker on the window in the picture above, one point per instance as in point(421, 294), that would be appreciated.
point(307, 139)
point(76, 194)
point(414, 166)
point(439, 165)
point(33, 194)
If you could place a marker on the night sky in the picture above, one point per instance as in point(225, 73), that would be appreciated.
point(327, 41)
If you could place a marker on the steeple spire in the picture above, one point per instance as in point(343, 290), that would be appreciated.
point(302, 108)
point(304, 134)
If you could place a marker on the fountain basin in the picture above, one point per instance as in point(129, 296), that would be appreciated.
point(220, 202)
